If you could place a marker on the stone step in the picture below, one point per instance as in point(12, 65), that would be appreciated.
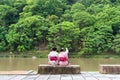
point(109, 69)
point(49, 69)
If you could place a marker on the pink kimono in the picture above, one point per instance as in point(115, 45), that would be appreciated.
point(63, 58)
point(53, 58)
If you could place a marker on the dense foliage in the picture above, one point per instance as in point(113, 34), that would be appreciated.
point(85, 26)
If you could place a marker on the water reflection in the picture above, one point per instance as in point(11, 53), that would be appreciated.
point(32, 64)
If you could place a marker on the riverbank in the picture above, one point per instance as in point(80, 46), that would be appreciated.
point(44, 54)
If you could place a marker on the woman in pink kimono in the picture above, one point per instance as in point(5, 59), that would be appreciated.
point(63, 57)
point(53, 57)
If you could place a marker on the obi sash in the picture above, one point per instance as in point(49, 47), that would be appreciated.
point(63, 59)
point(53, 58)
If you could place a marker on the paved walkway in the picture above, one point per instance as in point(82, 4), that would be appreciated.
point(82, 76)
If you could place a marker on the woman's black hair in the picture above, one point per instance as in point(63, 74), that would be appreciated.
point(62, 49)
point(54, 49)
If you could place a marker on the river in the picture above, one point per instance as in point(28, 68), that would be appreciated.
point(9, 64)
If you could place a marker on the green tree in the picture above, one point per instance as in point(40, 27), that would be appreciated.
point(95, 9)
point(115, 25)
point(45, 8)
point(83, 19)
point(87, 3)
point(53, 19)
point(96, 39)
point(19, 5)
point(63, 35)
point(7, 15)
point(102, 2)
point(107, 16)
point(27, 33)
point(77, 7)
point(116, 44)
point(3, 41)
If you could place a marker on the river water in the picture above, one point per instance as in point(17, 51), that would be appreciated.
point(9, 64)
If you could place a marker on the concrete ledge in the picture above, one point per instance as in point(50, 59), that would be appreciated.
point(109, 69)
point(49, 69)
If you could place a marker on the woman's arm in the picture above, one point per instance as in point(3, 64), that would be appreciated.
point(67, 51)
